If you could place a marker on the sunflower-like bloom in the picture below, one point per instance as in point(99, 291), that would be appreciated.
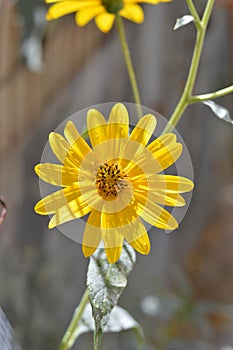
point(117, 181)
point(103, 11)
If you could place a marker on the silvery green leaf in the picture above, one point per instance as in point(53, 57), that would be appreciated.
point(220, 111)
point(119, 320)
point(106, 283)
point(183, 21)
point(7, 341)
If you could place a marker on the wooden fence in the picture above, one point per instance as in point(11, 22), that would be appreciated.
point(24, 94)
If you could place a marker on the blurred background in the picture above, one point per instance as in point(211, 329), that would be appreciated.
point(182, 293)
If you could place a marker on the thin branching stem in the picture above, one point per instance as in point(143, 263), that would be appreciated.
point(128, 62)
point(187, 92)
point(68, 338)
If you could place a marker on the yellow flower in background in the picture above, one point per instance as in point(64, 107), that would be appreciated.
point(117, 181)
point(103, 11)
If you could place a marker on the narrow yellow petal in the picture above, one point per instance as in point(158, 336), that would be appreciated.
point(59, 146)
point(84, 16)
point(63, 8)
point(133, 13)
point(161, 197)
point(118, 124)
point(154, 214)
point(79, 148)
point(161, 141)
point(112, 235)
point(105, 22)
point(168, 155)
point(144, 129)
point(92, 234)
point(56, 174)
point(171, 183)
point(56, 200)
point(136, 235)
point(96, 125)
point(166, 198)
point(113, 254)
point(71, 133)
point(142, 244)
point(72, 210)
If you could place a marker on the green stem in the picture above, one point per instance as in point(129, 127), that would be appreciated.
point(187, 92)
point(68, 338)
point(128, 61)
point(98, 336)
point(194, 13)
point(211, 95)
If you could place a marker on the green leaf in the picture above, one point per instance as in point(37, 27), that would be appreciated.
point(220, 111)
point(120, 320)
point(183, 21)
point(106, 283)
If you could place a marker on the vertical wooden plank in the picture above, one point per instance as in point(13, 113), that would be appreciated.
point(9, 40)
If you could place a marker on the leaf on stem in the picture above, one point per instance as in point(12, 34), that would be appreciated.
point(220, 111)
point(120, 320)
point(106, 283)
point(183, 21)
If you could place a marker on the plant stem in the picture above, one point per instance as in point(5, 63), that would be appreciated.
point(194, 13)
point(68, 338)
point(187, 92)
point(211, 95)
point(98, 340)
point(128, 61)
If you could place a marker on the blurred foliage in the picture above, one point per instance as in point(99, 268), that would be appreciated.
point(183, 322)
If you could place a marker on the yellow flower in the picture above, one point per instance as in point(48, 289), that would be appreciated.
point(103, 11)
point(117, 181)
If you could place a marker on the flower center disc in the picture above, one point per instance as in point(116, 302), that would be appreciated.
point(110, 180)
point(112, 6)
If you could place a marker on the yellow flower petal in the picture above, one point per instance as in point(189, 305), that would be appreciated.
point(56, 174)
point(79, 148)
point(105, 22)
point(63, 8)
point(142, 244)
point(168, 155)
point(96, 125)
point(161, 197)
point(166, 198)
point(71, 133)
point(154, 214)
point(144, 129)
point(171, 183)
point(113, 254)
point(58, 199)
point(59, 146)
point(84, 16)
point(162, 141)
point(72, 210)
point(92, 233)
point(136, 235)
point(112, 235)
point(118, 124)
point(133, 13)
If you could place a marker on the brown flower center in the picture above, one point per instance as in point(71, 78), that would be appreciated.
point(110, 180)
